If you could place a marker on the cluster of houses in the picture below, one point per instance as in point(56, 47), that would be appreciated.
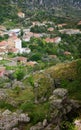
point(13, 44)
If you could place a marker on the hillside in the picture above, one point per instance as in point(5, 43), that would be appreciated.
point(62, 8)
point(34, 97)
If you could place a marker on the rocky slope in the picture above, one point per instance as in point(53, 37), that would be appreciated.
point(49, 99)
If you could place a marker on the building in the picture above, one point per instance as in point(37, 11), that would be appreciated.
point(67, 53)
point(13, 50)
point(16, 32)
point(21, 15)
point(3, 45)
point(61, 25)
point(18, 43)
point(53, 40)
point(24, 50)
point(31, 63)
point(2, 71)
point(51, 29)
point(21, 59)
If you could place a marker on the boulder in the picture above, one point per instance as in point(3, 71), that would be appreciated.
point(23, 118)
point(3, 94)
point(6, 112)
point(45, 122)
point(15, 129)
point(38, 126)
point(60, 92)
point(8, 120)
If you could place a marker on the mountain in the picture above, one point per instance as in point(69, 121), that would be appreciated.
point(44, 3)
point(48, 3)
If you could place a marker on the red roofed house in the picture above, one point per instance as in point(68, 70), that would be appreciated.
point(2, 71)
point(50, 29)
point(13, 50)
point(53, 40)
point(3, 44)
point(67, 53)
point(21, 59)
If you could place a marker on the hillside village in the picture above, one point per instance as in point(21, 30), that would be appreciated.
point(40, 72)
point(18, 44)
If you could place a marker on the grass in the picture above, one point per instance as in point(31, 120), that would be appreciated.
point(5, 105)
point(37, 112)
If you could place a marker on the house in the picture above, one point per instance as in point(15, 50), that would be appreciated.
point(2, 71)
point(79, 23)
point(27, 36)
point(67, 53)
point(61, 25)
point(2, 28)
point(37, 35)
point(3, 51)
point(36, 23)
point(53, 40)
point(16, 32)
point(13, 50)
point(3, 44)
point(50, 29)
point(21, 15)
point(18, 43)
point(70, 31)
point(14, 42)
point(53, 56)
point(31, 63)
point(21, 59)
point(24, 50)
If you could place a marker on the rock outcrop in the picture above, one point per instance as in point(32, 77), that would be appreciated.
point(60, 106)
point(9, 120)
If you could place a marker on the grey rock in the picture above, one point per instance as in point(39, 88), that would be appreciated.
point(6, 112)
point(60, 92)
point(24, 118)
point(3, 94)
point(38, 126)
point(15, 129)
point(44, 122)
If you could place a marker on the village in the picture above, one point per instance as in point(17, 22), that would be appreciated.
point(17, 45)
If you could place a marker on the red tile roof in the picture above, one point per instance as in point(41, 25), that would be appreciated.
point(3, 43)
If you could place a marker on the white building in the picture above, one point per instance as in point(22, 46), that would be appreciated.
point(24, 50)
point(14, 31)
point(18, 43)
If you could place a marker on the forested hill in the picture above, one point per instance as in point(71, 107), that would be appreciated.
point(46, 3)
point(9, 8)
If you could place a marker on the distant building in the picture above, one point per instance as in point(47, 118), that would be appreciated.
point(53, 40)
point(14, 32)
point(18, 43)
point(2, 71)
point(24, 50)
point(3, 44)
point(51, 29)
point(61, 25)
point(21, 59)
point(21, 14)
point(67, 53)
point(31, 63)
point(13, 50)
point(70, 31)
